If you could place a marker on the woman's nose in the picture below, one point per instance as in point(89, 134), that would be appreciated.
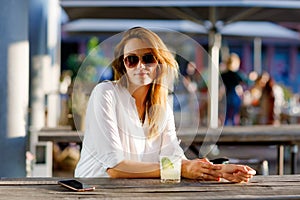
point(141, 65)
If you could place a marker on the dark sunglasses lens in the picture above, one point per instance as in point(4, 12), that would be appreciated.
point(149, 59)
point(131, 61)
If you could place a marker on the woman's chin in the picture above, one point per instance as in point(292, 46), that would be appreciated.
point(142, 82)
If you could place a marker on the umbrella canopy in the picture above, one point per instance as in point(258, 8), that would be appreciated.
point(99, 26)
point(241, 29)
point(199, 10)
point(259, 29)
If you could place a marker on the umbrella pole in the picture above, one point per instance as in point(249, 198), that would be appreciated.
point(257, 54)
point(213, 81)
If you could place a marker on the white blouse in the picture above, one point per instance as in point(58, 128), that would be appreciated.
point(114, 133)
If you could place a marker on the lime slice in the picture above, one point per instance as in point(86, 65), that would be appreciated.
point(166, 163)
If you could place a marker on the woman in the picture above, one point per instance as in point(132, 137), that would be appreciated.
point(129, 122)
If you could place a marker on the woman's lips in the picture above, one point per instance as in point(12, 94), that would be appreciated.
point(141, 73)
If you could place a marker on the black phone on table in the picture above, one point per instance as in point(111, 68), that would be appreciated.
point(75, 185)
point(220, 161)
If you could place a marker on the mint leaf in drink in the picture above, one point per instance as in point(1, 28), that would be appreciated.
point(167, 163)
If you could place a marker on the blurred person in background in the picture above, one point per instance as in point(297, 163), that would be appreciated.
point(234, 82)
point(271, 100)
point(266, 99)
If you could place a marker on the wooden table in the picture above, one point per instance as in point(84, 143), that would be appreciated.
point(260, 187)
point(283, 135)
point(60, 135)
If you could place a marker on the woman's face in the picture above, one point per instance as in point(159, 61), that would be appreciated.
point(140, 63)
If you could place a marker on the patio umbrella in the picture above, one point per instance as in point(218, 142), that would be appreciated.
point(198, 11)
point(262, 29)
point(252, 29)
point(194, 10)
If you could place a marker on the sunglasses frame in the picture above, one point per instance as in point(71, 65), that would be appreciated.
point(140, 59)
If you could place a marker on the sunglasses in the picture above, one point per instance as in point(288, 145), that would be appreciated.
point(132, 61)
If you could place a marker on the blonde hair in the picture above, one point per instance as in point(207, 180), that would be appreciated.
point(167, 71)
point(233, 62)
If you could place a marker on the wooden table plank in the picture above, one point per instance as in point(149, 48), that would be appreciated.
point(61, 136)
point(260, 187)
point(260, 133)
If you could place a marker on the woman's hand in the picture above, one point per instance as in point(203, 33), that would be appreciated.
point(236, 173)
point(200, 169)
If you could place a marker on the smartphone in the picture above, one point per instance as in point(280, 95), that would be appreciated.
point(75, 185)
point(220, 161)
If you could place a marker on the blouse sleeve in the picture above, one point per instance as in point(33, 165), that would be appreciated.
point(170, 142)
point(102, 135)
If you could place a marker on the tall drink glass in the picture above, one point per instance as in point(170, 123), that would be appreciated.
point(170, 169)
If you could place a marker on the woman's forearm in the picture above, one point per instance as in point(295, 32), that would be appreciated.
point(134, 169)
